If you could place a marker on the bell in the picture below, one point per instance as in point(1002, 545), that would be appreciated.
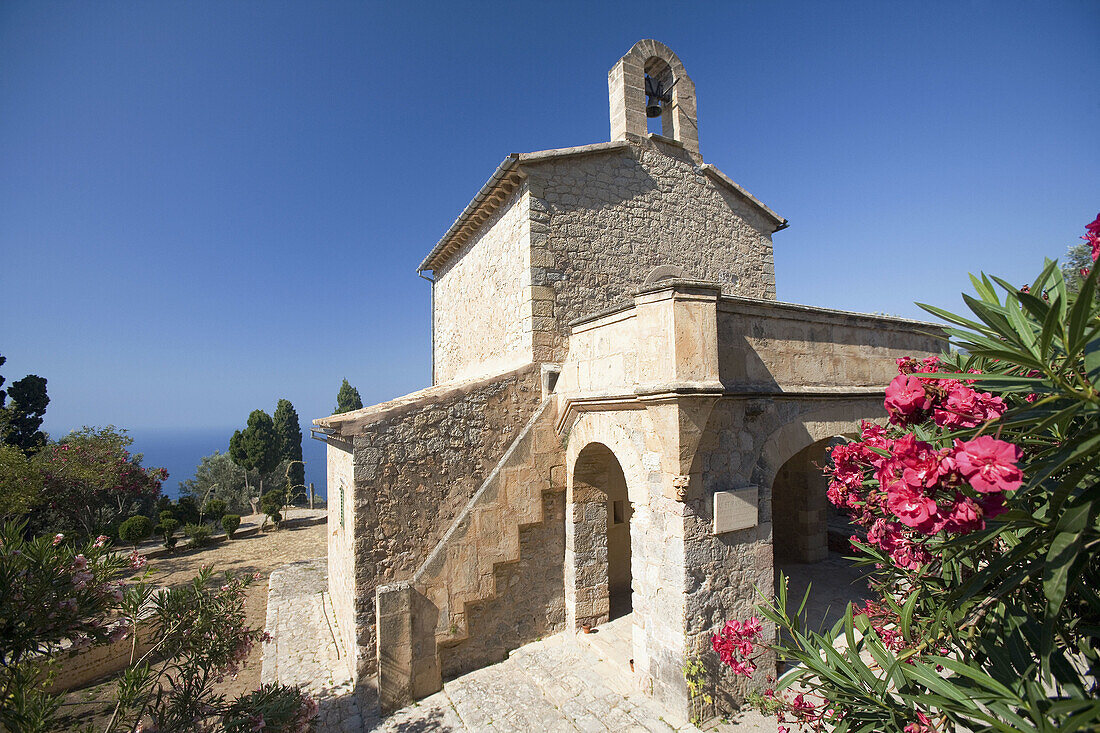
point(652, 108)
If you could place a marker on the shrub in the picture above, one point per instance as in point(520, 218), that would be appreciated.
point(214, 510)
point(199, 534)
point(187, 510)
point(271, 504)
point(283, 709)
point(51, 591)
point(167, 529)
point(980, 513)
point(166, 514)
point(135, 529)
point(230, 523)
point(52, 594)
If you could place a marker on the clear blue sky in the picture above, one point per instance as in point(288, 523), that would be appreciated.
point(206, 206)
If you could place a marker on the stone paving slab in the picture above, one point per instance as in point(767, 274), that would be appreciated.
point(562, 683)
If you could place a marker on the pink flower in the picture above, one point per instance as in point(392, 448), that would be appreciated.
point(964, 516)
point(101, 541)
point(80, 562)
point(137, 562)
point(906, 399)
point(912, 507)
point(989, 464)
point(1093, 228)
point(57, 538)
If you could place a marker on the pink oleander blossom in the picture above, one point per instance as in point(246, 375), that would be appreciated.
point(913, 508)
point(906, 399)
point(989, 464)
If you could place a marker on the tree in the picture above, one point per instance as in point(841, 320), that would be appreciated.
point(91, 482)
point(20, 482)
point(347, 399)
point(1078, 260)
point(256, 448)
point(135, 529)
point(290, 443)
point(21, 419)
point(219, 477)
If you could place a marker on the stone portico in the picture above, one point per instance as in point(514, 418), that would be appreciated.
point(622, 418)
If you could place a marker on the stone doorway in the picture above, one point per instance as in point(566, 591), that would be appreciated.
point(598, 555)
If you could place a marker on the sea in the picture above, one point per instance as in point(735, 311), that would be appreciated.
point(181, 450)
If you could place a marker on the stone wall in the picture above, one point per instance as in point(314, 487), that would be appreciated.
point(480, 294)
point(770, 345)
point(417, 462)
point(602, 223)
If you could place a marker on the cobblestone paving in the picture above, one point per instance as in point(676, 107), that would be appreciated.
point(562, 683)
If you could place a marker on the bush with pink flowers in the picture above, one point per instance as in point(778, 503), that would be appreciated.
point(977, 507)
point(57, 598)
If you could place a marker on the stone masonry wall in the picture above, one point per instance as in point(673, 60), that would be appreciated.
point(417, 466)
point(480, 296)
point(769, 344)
point(602, 223)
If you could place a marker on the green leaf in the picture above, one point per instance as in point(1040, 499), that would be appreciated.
point(1064, 549)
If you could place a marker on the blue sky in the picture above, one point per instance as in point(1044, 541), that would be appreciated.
point(207, 206)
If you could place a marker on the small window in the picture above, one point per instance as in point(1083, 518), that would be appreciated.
point(618, 512)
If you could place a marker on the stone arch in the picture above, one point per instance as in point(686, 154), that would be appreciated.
point(603, 466)
point(664, 272)
point(790, 463)
point(626, 89)
point(604, 429)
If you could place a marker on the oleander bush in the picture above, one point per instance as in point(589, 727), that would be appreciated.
point(977, 506)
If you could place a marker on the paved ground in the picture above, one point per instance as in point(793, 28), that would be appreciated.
point(562, 683)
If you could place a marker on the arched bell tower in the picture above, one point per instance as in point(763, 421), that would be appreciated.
point(650, 80)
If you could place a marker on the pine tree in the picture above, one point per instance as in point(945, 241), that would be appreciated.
point(21, 418)
point(347, 399)
point(290, 442)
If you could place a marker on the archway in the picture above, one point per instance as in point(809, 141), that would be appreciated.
point(800, 509)
point(801, 519)
point(598, 553)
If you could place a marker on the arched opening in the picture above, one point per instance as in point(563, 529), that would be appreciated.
point(802, 518)
point(598, 562)
point(799, 506)
point(659, 77)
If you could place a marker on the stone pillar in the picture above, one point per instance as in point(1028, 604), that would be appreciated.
point(586, 591)
point(393, 608)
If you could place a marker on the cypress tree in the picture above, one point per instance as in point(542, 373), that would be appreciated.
point(256, 448)
point(289, 434)
point(347, 399)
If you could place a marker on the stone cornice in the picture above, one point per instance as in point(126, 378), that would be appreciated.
point(571, 406)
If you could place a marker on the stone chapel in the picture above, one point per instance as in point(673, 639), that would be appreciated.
point(622, 418)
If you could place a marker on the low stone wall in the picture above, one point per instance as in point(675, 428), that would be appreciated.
point(77, 669)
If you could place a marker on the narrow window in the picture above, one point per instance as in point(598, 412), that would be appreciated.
point(341, 504)
point(617, 512)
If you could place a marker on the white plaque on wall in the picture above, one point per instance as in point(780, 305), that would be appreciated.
point(736, 509)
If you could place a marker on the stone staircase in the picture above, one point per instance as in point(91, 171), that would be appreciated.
point(462, 568)
point(430, 611)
